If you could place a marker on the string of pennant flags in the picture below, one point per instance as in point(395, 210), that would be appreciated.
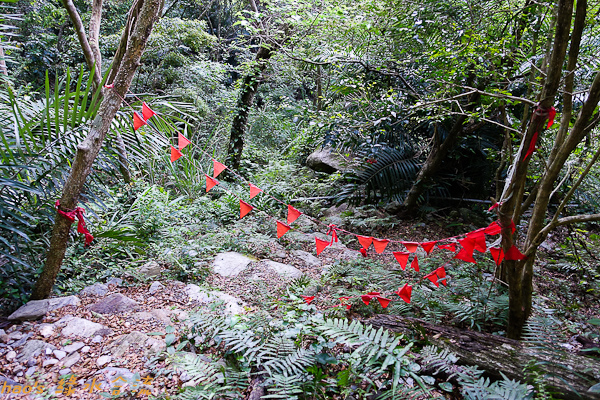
point(466, 243)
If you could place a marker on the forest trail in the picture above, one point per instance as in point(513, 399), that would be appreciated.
point(114, 337)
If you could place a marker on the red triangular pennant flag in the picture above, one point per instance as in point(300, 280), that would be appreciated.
point(364, 241)
point(282, 229)
point(493, 229)
point(380, 244)
point(531, 148)
point(245, 208)
point(497, 254)
point(210, 182)
point(551, 115)
point(405, 292)
point(402, 258)
point(411, 247)
point(514, 254)
point(175, 154)
point(383, 301)
point(366, 298)
point(254, 190)
point(450, 247)
point(466, 255)
point(147, 112)
point(182, 141)
point(217, 168)
point(321, 244)
point(292, 215)
point(138, 121)
point(415, 264)
point(432, 276)
point(478, 240)
point(428, 246)
point(441, 274)
point(308, 299)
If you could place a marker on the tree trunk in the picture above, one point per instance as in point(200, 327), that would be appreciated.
point(520, 275)
point(570, 376)
point(437, 155)
point(91, 145)
point(3, 69)
point(244, 104)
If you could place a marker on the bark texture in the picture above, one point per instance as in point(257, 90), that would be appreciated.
point(244, 104)
point(570, 376)
point(91, 145)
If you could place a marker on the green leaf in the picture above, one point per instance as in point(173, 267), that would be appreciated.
point(446, 386)
point(594, 321)
point(170, 339)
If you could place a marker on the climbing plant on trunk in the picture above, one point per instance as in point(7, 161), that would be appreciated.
point(142, 17)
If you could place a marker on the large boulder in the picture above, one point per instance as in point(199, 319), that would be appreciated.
point(38, 308)
point(283, 270)
point(74, 326)
point(325, 160)
point(230, 263)
point(113, 304)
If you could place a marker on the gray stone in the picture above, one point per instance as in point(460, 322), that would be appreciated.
point(113, 304)
point(307, 258)
point(71, 360)
point(73, 347)
point(46, 330)
point(64, 371)
point(230, 263)
point(108, 376)
point(33, 348)
point(114, 281)
point(16, 335)
point(97, 339)
point(325, 160)
point(299, 237)
point(103, 360)
point(51, 361)
point(79, 327)
point(8, 382)
point(97, 289)
point(59, 354)
point(284, 270)
point(192, 253)
point(86, 349)
point(38, 308)
point(11, 355)
point(155, 287)
point(150, 269)
point(233, 305)
point(350, 255)
point(30, 371)
point(160, 314)
point(22, 341)
point(120, 345)
point(335, 210)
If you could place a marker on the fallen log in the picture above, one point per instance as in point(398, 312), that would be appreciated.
point(569, 377)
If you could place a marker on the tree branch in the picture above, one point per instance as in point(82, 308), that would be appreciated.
point(83, 40)
point(94, 35)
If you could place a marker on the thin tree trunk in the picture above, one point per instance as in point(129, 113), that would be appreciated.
point(244, 104)
point(91, 145)
point(519, 275)
point(3, 69)
point(437, 155)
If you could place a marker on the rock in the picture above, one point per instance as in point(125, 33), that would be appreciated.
point(335, 210)
point(155, 287)
point(233, 305)
point(73, 347)
point(160, 314)
point(38, 308)
point(30, 371)
point(230, 263)
point(97, 289)
point(299, 237)
point(285, 270)
point(11, 355)
point(109, 375)
point(34, 348)
point(103, 360)
point(59, 354)
point(64, 371)
point(46, 330)
point(113, 304)
point(7, 382)
point(97, 339)
point(85, 349)
point(120, 345)
point(22, 341)
point(16, 335)
point(79, 327)
point(150, 269)
point(325, 160)
point(71, 360)
point(350, 255)
point(114, 281)
point(308, 259)
point(51, 361)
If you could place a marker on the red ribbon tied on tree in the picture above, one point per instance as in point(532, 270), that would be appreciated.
point(71, 215)
point(332, 231)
